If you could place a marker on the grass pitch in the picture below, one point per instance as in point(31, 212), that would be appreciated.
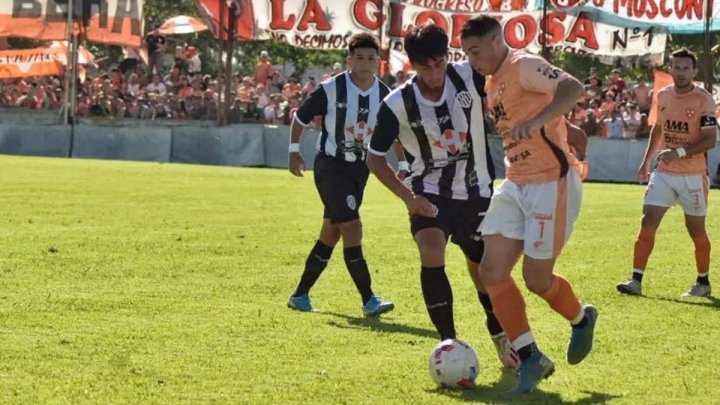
point(154, 283)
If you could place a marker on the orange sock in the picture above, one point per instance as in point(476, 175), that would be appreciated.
point(643, 247)
point(509, 308)
point(562, 299)
point(702, 254)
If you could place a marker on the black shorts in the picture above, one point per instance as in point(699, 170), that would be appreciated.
point(341, 186)
point(460, 221)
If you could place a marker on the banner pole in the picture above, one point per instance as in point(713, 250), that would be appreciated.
point(68, 64)
point(543, 25)
point(232, 18)
point(221, 78)
point(708, 53)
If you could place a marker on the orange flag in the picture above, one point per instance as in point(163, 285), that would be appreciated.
point(29, 62)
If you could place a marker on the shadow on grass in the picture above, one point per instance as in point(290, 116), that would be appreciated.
point(497, 393)
point(710, 302)
point(378, 325)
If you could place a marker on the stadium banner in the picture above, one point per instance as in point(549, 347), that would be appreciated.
point(244, 25)
point(117, 22)
point(323, 24)
point(673, 16)
point(30, 62)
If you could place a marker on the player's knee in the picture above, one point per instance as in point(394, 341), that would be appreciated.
point(695, 229)
point(650, 221)
point(432, 252)
point(537, 285)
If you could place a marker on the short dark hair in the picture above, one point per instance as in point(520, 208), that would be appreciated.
point(480, 26)
point(685, 53)
point(363, 40)
point(426, 42)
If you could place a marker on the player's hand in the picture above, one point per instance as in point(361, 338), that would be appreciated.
point(523, 130)
point(402, 174)
point(421, 206)
point(643, 173)
point(667, 155)
point(296, 164)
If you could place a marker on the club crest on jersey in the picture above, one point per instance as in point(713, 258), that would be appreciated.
point(360, 131)
point(690, 112)
point(464, 99)
point(351, 203)
point(340, 105)
point(416, 124)
point(452, 141)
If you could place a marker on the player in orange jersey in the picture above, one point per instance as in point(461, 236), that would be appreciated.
point(685, 129)
point(533, 211)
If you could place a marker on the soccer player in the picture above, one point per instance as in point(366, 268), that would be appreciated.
point(348, 104)
point(438, 118)
point(685, 129)
point(532, 212)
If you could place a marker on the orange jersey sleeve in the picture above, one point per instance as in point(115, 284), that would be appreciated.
point(681, 117)
point(522, 87)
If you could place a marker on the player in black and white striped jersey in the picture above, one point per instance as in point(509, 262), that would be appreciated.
point(438, 118)
point(348, 104)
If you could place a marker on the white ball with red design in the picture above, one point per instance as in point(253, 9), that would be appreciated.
point(454, 364)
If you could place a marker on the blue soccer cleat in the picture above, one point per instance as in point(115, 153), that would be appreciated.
point(376, 306)
point(533, 370)
point(301, 303)
point(581, 340)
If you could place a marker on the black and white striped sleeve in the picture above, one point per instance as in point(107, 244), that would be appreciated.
point(316, 104)
point(386, 131)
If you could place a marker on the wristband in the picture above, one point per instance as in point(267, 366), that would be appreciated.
point(681, 152)
point(403, 166)
point(294, 148)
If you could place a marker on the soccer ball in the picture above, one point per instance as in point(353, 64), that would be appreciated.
point(454, 364)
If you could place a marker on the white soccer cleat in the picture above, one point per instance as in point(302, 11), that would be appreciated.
point(630, 287)
point(698, 290)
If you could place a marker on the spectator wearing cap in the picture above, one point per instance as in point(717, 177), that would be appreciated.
point(194, 64)
point(617, 81)
point(263, 69)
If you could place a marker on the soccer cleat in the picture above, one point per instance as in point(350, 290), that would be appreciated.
point(630, 287)
point(532, 371)
point(376, 306)
point(698, 290)
point(301, 303)
point(581, 340)
point(508, 357)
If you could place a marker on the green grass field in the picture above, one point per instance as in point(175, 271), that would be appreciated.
point(156, 283)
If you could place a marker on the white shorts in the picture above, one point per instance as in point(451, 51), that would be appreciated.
point(666, 190)
point(542, 215)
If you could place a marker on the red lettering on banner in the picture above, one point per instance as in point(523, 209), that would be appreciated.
point(314, 14)
point(527, 25)
point(458, 20)
point(362, 17)
point(278, 14)
point(396, 20)
point(583, 29)
point(683, 9)
point(554, 28)
point(434, 16)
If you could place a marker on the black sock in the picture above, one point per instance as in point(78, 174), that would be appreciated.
point(526, 351)
point(316, 262)
point(357, 266)
point(493, 326)
point(438, 299)
point(637, 276)
point(704, 280)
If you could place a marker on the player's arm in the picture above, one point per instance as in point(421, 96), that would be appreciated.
point(385, 134)
point(403, 166)
point(316, 104)
point(653, 146)
point(537, 75)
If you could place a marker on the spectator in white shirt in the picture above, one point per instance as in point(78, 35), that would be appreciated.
point(157, 86)
point(631, 120)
